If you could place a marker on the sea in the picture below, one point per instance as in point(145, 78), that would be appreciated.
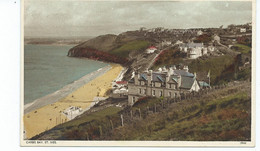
point(48, 69)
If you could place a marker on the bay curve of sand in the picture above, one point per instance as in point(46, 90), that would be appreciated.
point(40, 116)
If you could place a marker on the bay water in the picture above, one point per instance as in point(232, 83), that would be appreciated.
point(47, 69)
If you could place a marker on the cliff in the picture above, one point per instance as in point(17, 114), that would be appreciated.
point(112, 48)
point(94, 54)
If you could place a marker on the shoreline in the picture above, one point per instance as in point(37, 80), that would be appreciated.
point(51, 115)
point(64, 91)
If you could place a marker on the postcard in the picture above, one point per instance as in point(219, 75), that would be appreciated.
point(138, 73)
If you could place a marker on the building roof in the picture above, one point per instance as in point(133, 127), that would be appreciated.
point(183, 73)
point(174, 78)
point(187, 82)
point(192, 45)
point(152, 47)
point(121, 82)
point(187, 79)
point(158, 77)
point(203, 84)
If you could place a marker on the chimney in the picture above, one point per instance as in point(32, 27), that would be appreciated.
point(174, 67)
point(179, 81)
point(149, 77)
point(170, 72)
point(164, 69)
point(186, 68)
point(160, 69)
point(136, 77)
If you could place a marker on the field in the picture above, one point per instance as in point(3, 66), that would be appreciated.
point(242, 48)
point(124, 50)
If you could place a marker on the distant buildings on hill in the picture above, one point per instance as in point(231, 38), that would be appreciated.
point(195, 50)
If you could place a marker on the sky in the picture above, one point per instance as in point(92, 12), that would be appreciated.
point(73, 18)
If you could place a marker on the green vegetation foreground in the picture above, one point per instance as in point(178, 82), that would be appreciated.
point(220, 115)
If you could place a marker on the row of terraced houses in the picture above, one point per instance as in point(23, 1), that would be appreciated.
point(166, 83)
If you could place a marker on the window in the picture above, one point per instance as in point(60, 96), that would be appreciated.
point(140, 91)
point(144, 91)
point(140, 82)
point(153, 93)
point(160, 93)
point(153, 84)
point(170, 94)
point(170, 86)
point(133, 99)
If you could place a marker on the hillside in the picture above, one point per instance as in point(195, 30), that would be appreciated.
point(224, 66)
point(221, 114)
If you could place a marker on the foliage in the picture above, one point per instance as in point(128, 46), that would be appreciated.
point(246, 41)
point(216, 65)
point(97, 55)
point(205, 38)
point(169, 57)
point(146, 101)
point(242, 48)
point(225, 119)
point(124, 50)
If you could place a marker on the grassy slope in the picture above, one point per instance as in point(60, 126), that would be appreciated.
point(226, 118)
point(71, 129)
point(243, 48)
point(216, 65)
point(168, 58)
point(220, 115)
point(125, 49)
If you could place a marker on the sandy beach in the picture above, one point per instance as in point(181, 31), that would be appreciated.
point(50, 115)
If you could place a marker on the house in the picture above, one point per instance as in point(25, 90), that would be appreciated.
point(199, 33)
point(119, 87)
point(194, 50)
point(166, 83)
point(216, 38)
point(242, 30)
point(166, 43)
point(203, 85)
point(211, 48)
point(151, 49)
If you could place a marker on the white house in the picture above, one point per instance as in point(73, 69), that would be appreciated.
point(216, 38)
point(211, 48)
point(151, 49)
point(199, 32)
point(242, 30)
point(166, 43)
point(194, 50)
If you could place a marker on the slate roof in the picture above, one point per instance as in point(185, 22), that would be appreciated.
point(187, 79)
point(203, 84)
point(187, 82)
point(183, 73)
point(158, 77)
point(174, 78)
point(131, 80)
